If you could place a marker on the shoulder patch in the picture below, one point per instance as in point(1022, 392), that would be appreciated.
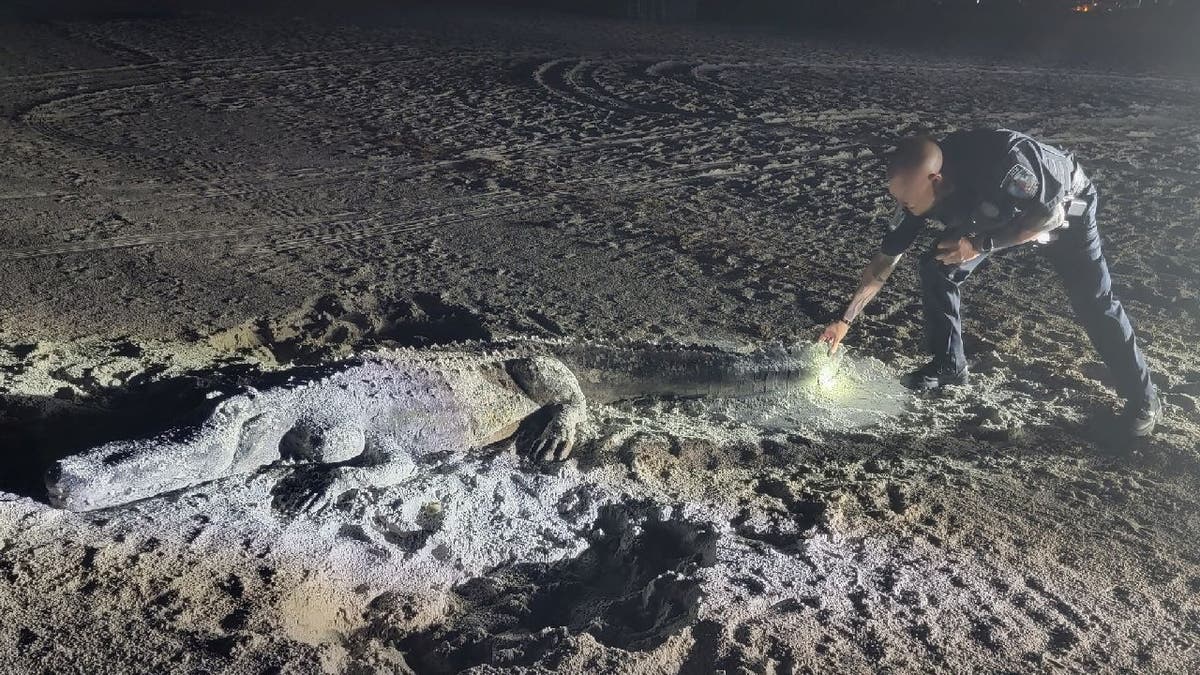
point(1020, 183)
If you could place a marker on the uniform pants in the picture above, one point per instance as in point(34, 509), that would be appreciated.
point(1079, 262)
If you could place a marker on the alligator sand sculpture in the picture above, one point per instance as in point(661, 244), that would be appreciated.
point(368, 417)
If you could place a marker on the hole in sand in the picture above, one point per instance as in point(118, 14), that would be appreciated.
point(633, 588)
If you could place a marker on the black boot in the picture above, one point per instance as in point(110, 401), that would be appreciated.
point(934, 375)
point(1141, 415)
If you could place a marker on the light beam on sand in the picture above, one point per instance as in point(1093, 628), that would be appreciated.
point(839, 393)
point(828, 370)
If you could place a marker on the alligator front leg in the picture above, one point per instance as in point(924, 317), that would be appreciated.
point(347, 477)
point(552, 386)
point(557, 437)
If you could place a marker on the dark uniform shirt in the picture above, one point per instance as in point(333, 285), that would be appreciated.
point(997, 174)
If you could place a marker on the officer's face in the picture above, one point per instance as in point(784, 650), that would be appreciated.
point(915, 189)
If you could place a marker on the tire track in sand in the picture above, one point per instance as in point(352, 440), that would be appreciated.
point(320, 230)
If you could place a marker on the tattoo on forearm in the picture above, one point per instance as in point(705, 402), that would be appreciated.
point(881, 268)
point(873, 278)
point(856, 306)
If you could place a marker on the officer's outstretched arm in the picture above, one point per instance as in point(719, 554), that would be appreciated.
point(873, 278)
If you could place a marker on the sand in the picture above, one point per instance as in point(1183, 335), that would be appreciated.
point(193, 204)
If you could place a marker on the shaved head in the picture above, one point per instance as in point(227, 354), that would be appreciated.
point(915, 153)
point(914, 172)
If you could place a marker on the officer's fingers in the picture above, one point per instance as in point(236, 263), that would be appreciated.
point(947, 245)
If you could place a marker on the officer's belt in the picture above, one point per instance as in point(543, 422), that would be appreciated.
point(1072, 205)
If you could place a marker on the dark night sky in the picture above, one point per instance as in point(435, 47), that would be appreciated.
point(1159, 33)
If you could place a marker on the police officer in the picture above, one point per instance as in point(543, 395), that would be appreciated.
point(995, 189)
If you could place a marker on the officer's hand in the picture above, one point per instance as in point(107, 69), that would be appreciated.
point(956, 251)
point(834, 334)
